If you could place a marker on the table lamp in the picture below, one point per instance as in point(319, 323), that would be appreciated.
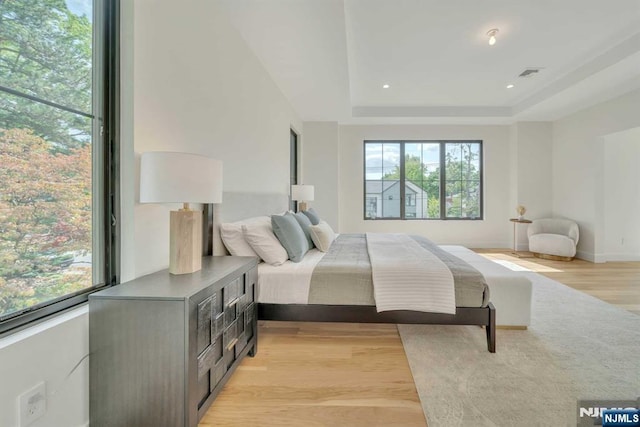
point(302, 194)
point(168, 177)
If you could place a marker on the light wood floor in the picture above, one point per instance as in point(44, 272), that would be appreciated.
point(321, 374)
point(617, 283)
point(324, 374)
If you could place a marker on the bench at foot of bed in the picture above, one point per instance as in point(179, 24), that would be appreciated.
point(509, 291)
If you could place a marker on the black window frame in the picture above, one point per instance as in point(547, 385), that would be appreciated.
point(443, 209)
point(293, 167)
point(109, 44)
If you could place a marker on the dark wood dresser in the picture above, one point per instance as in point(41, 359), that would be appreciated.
point(163, 346)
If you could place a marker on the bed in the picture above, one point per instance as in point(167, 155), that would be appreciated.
point(336, 286)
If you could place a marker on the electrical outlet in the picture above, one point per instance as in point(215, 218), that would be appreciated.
point(32, 404)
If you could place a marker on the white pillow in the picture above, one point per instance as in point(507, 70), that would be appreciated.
point(262, 240)
point(233, 238)
point(322, 236)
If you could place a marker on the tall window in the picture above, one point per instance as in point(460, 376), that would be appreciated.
point(56, 148)
point(423, 180)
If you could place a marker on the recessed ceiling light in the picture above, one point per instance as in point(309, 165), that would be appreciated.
point(509, 86)
point(492, 36)
point(385, 86)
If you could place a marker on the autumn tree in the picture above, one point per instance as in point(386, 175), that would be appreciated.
point(45, 152)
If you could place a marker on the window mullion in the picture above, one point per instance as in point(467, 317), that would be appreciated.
point(402, 181)
point(443, 181)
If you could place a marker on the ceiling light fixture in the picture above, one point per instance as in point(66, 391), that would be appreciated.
point(492, 36)
point(509, 86)
point(385, 86)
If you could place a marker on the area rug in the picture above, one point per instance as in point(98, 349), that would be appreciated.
point(577, 347)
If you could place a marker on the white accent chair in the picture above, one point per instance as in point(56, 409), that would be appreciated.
point(553, 238)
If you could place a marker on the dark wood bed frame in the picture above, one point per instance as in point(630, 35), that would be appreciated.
point(482, 316)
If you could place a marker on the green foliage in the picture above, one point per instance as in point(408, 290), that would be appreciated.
point(45, 219)
point(45, 152)
point(463, 180)
point(462, 185)
point(45, 51)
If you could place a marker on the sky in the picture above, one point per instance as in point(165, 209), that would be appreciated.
point(81, 7)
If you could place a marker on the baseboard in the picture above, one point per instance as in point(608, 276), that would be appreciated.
point(619, 257)
point(589, 256)
point(479, 245)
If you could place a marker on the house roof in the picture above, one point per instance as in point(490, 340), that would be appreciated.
point(379, 186)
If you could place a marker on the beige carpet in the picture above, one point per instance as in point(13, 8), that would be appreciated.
point(577, 347)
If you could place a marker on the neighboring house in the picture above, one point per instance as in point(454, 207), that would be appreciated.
point(383, 199)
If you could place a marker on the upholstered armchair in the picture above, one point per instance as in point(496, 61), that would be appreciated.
point(553, 238)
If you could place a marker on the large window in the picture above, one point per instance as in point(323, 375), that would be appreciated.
point(423, 180)
point(57, 142)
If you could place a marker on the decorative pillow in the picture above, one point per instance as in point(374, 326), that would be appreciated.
point(233, 238)
point(322, 235)
point(305, 223)
point(291, 235)
point(312, 215)
point(262, 240)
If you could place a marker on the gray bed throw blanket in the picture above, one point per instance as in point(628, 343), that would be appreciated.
point(343, 275)
point(407, 276)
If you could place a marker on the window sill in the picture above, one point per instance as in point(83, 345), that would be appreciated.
point(27, 332)
point(424, 219)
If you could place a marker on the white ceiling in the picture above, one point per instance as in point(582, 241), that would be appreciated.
point(331, 57)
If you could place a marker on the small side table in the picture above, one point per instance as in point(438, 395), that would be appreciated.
point(515, 222)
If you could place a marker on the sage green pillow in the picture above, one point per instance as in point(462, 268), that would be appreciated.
point(305, 223)
point(312, 215)
point(290, 235)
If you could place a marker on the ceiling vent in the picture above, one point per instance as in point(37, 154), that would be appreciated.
point(530, 72)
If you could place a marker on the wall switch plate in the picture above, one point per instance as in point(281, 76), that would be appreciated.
point(32, 404)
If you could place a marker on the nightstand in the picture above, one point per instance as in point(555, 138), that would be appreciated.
point(515, 222)
point(162, 346)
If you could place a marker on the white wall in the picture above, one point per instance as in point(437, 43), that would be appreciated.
point(622, 196)
point(578, 166)
point(48, 352)
point(493, 231)
point(192, 85)
point(531, 176)
point(200, 89)
point(320, 167)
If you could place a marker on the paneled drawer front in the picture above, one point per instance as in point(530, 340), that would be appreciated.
point(232, 299)
point(209, 357)
point(232, 291)
point(223, 321)
point(205, 361)
point(249, 320)
point(218, 372)
point(218, 326)
point(204, 324)
point(229, 338)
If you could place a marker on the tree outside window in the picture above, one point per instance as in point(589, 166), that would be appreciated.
point(441, 179)
point(46, 139)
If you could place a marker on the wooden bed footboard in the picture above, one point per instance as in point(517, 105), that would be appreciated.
point(482, 316)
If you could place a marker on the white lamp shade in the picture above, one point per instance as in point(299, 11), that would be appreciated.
point(302, 192)
point(167, 177)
